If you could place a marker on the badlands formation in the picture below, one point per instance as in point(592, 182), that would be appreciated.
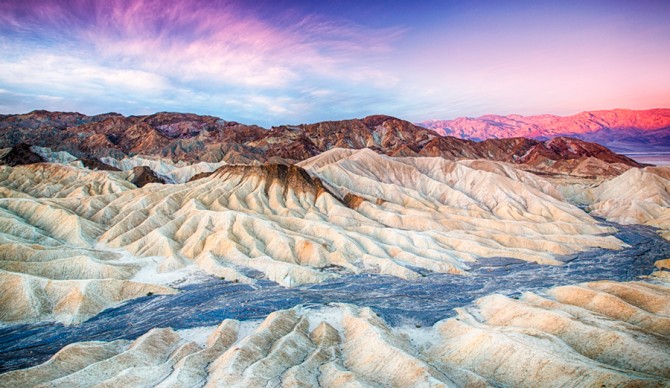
point(592, 334)
point(354, 210)
point(80, 235)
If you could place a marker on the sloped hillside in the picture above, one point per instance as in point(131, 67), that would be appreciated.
point(589, 334)
point(354, 210)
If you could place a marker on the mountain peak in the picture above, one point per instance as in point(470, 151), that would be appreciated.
point(191, 137)
point(375, 120)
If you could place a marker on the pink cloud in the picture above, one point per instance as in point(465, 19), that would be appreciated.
point(222, 43)
point(196, 41)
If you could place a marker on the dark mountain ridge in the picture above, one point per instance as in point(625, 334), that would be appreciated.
point(190, 137)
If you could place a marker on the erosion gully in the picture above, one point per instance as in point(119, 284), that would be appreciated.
point(419, 302)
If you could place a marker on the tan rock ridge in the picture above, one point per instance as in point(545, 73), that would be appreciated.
point(354, 209)
point(291, 176)
point(591, 334)
point(638, 196)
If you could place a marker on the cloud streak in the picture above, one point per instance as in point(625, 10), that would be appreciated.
point(147, 47)
point(285, 61)
point(201, 40)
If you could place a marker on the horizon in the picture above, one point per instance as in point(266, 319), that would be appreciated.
point(296, 61)
point(342, 119)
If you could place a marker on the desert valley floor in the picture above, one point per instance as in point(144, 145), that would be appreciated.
point(351, 266)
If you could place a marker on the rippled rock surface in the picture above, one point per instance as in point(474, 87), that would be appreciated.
point(350, 268)
point(422, 301)
point(68, 231)
point(597, 333)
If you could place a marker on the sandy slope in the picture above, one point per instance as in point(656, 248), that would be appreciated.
point(49, 266)
point(46, 180)
point(638, 196)
point(353, 209)
point(592, 334)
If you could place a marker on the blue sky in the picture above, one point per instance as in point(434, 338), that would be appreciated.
point(278, 62)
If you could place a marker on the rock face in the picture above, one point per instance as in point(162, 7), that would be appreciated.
point(602, 333)
point(143, 175)
point(354, 209)
point(173, 135)
point(20, 155)
point(87, 289)
point(50, 180)
point(94, 164)
point(619, 129)
point(592, 334)
point(292, 178)
point(188, 137)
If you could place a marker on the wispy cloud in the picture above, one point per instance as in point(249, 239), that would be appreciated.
point(273, 61)
point(73, 75)
point(146, 48)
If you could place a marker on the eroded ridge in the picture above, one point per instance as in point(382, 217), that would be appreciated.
point(357, 211)
point(591, 334)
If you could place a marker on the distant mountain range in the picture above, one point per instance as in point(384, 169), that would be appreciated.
point(622, 130)
point(190, 137)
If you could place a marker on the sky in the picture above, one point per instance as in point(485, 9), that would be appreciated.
point(291, 62)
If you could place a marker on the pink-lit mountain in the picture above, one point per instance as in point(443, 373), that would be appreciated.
point(622, 130)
